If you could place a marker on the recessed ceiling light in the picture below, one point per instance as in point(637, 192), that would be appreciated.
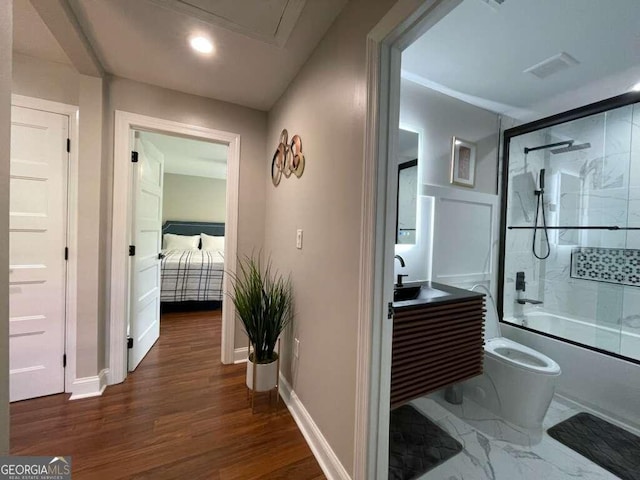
point(636, 87)
point(201, 44)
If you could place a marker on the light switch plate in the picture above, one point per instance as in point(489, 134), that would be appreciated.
point(299, 239)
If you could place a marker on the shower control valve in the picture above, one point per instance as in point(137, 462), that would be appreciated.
point(520, 283)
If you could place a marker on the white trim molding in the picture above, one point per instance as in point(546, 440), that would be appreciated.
point(403, 24)
point(326, 457)
point(240, 355)
point(125, 122)
point(89, 386)
point(72, 112)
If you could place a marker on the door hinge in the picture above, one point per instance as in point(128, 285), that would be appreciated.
point(66, 253)
point(68, 144)
point(129, 342)
point(390, 311)
point(64, 360)
point(134, 156)
point(132, 250)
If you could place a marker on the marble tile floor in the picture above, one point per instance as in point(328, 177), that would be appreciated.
point(495, 450)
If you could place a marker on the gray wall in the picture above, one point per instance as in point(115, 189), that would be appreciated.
point(6, 39)
point(251, 124)
point(325, 105)
point(198, 199)
point(442, 117)
point(38, 78)
point(90, 313)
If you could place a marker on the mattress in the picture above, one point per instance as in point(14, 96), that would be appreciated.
point(192, 275)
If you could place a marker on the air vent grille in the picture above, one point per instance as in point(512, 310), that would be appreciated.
point(494, 3)
point(552, 65)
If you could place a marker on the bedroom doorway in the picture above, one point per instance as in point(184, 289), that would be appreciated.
point(178, 227)
point(161, 181)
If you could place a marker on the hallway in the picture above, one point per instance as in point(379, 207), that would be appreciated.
point(182, 414)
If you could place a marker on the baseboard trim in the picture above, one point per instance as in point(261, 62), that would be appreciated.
point(240, 355)
point(86, 387)
point(329, 462)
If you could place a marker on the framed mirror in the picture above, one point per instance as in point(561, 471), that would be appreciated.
point(407, 205)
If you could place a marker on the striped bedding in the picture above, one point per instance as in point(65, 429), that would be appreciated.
point(192, 275)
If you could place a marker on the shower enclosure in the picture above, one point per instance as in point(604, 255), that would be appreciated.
point(570, 249)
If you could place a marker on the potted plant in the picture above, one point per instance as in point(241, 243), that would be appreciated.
point(263, 301)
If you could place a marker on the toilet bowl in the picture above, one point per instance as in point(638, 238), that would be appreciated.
point(519, 381)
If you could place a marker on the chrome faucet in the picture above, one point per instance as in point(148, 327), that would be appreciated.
point(400, 276)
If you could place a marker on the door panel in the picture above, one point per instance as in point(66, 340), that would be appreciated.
point(144, 325)
point(37, 234)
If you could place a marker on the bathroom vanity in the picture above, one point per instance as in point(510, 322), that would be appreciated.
point(437, 338)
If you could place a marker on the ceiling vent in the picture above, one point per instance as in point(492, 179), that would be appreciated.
point(552, 65)
point(494, 3)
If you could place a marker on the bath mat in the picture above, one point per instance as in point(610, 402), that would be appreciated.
point(416, 444)
point(605, 444)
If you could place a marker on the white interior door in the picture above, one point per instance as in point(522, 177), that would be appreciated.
point(144, 325)
point(37, 267)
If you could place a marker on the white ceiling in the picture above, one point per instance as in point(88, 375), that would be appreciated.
point(478, 53)
point(147, 41)
point(186, 156)
point(32, 37)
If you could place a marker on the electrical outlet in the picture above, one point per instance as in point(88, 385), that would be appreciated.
point(299, 239)
point(296, 347)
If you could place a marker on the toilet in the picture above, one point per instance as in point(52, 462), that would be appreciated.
point(518, 382)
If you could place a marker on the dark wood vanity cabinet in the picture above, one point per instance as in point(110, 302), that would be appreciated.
point(436, 344)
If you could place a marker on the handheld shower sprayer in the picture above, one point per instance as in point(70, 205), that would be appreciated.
point(540, 206)
point(555, 148)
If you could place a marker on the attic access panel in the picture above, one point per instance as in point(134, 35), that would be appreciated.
point(270, 21)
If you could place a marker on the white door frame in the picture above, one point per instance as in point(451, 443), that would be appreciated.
point(125, 122)
point(71, 306)
point(403, 24)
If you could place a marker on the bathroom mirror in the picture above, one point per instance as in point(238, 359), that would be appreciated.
point(407, 206)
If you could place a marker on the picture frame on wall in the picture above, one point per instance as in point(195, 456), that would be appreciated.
point(463, 162)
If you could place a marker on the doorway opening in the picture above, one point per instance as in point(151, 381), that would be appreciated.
point(154, 157)
point(178, 224)
point(415, 49)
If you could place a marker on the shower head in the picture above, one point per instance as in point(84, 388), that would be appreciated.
point(571, 148)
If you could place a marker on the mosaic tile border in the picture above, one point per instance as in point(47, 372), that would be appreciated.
point(611, 265)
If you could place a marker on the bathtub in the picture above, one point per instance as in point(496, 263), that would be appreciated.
point(599, 381)
point(602, 337)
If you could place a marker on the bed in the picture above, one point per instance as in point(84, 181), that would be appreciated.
point(192, 276)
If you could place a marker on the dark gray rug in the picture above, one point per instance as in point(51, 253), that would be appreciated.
point(608, 445)
point(416, 444)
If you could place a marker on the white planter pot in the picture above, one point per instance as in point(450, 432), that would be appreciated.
point(266, 375)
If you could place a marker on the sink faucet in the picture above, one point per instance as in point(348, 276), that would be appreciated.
point(400, 276)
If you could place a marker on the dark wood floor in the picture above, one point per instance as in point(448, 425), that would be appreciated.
point(180, 415)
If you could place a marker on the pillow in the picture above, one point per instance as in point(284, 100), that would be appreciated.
point(210, 242)
point(180, 242)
